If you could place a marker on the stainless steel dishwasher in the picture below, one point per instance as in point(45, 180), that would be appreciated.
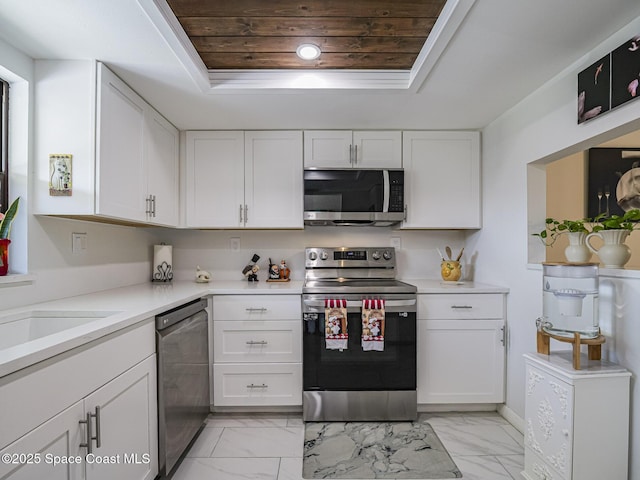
point(182, 340)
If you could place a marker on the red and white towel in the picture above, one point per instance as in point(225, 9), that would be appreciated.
point(373, 325)
point(335, 324)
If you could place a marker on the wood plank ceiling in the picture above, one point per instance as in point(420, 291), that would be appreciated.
point(264, 34)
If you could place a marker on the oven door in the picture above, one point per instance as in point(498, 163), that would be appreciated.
point(354, 369)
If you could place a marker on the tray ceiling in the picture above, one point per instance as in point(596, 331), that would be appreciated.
point(353, 34)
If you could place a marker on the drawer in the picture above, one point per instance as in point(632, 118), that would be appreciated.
point(257, 307)
point(460, 306)
point(237, 341)
point(257, 384)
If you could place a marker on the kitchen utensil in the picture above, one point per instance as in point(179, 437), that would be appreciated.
point(440, 253)
point(448, 250)
point(460, 255)
point(599, 201)
point(607, 193)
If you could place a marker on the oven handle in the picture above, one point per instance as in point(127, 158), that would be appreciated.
point(354, 305)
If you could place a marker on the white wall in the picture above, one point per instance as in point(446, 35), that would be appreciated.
point(544, 126)
point(417, 257)
point(116, 255)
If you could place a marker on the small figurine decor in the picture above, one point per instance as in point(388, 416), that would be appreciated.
point(278, 273)
point(251, 270)
point(202, 276)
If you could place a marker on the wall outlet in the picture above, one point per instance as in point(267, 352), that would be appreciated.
point(78, 243)
point(234, 244)
point(396, 242)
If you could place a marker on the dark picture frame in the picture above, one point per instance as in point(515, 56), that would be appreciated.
point(605, 167)
point(594, 89)
point(625, 72)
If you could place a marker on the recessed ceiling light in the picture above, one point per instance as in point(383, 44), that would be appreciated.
point(308, 51)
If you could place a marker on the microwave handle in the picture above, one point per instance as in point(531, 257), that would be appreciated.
point(385, 198)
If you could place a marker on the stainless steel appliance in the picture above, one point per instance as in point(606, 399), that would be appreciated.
point(353, 196)
point(354, 384)
point(182, 340)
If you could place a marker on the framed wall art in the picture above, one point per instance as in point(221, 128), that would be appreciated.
point(60, 175)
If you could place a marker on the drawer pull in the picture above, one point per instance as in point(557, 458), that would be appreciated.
point(257, 386)
point(461, 306)
point(252, 342)
point(254, 310)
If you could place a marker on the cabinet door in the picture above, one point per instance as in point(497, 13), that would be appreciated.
point(59, 437)
point(215, 179)
point(548, 420)
point(460, 361)
point(377, 149)
point(161, 158)
point(273, 179)
point(442, 179)
point(128, 424)
point(121, 181)
point(328, 148)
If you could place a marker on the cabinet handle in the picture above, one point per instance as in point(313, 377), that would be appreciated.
point(246, 213)
point(241, 213)
point(355, 155)
point(405, 212)
point(153, 206)
point(502, 340)
point(148, 205)
point(98, 437)
point(260, 342)
point(89, 430)
point(350, 154)
point(254, 310)
point(461, 307)
point(257, 386)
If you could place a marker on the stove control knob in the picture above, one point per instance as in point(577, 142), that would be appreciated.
point(313, 256)
point(387, 255)
point(375, 255)
point(324, 255)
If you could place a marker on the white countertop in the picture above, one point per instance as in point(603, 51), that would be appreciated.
point(134, 304)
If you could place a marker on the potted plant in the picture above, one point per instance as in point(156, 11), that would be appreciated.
point(613, 230)
point(577, 231)
point(6, 220)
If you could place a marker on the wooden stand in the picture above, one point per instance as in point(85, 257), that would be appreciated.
point(594, 345)
point(278, 280)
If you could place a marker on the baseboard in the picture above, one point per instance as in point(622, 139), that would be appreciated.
point(457, 407)
point(512, 417)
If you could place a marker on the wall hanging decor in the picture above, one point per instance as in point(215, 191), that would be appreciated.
point(60, 175)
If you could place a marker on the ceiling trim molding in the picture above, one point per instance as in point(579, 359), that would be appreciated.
point(243, 81)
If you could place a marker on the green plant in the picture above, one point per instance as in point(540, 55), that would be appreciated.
point(7, 219)
point(554, 228)
point(628, 221)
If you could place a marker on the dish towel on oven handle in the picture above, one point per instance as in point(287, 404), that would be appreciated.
point(335, 324)
point(373, 325)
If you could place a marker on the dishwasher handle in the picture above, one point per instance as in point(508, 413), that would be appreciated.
point(178, 314)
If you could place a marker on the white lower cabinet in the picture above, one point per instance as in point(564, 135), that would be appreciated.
point(576, 421)
point(257, 350)
point(122, 413)
point(461, 348)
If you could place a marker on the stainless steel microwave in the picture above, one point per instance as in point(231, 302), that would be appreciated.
point(353, 196)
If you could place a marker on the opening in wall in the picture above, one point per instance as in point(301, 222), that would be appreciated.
point(558, 188)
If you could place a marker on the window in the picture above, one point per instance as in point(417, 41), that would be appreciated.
point(4, 151)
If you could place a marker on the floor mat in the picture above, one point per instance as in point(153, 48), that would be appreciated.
point(407, 450)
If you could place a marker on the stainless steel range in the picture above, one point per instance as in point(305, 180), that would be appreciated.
point(359, 337)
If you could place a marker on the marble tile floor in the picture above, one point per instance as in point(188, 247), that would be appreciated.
point(483, 445)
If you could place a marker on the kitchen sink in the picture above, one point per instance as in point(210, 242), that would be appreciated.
point(32, 325)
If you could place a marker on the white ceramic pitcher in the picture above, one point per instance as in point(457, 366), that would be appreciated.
point(614, 253)
point(577, 251)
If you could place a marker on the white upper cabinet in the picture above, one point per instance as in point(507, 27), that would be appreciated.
point(352, 149)
point(247, 179)
point(442, 179)
point(124, 154)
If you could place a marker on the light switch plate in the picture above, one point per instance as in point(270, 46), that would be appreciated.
point(396, 242)
point(78, 243)
point(234, 244)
